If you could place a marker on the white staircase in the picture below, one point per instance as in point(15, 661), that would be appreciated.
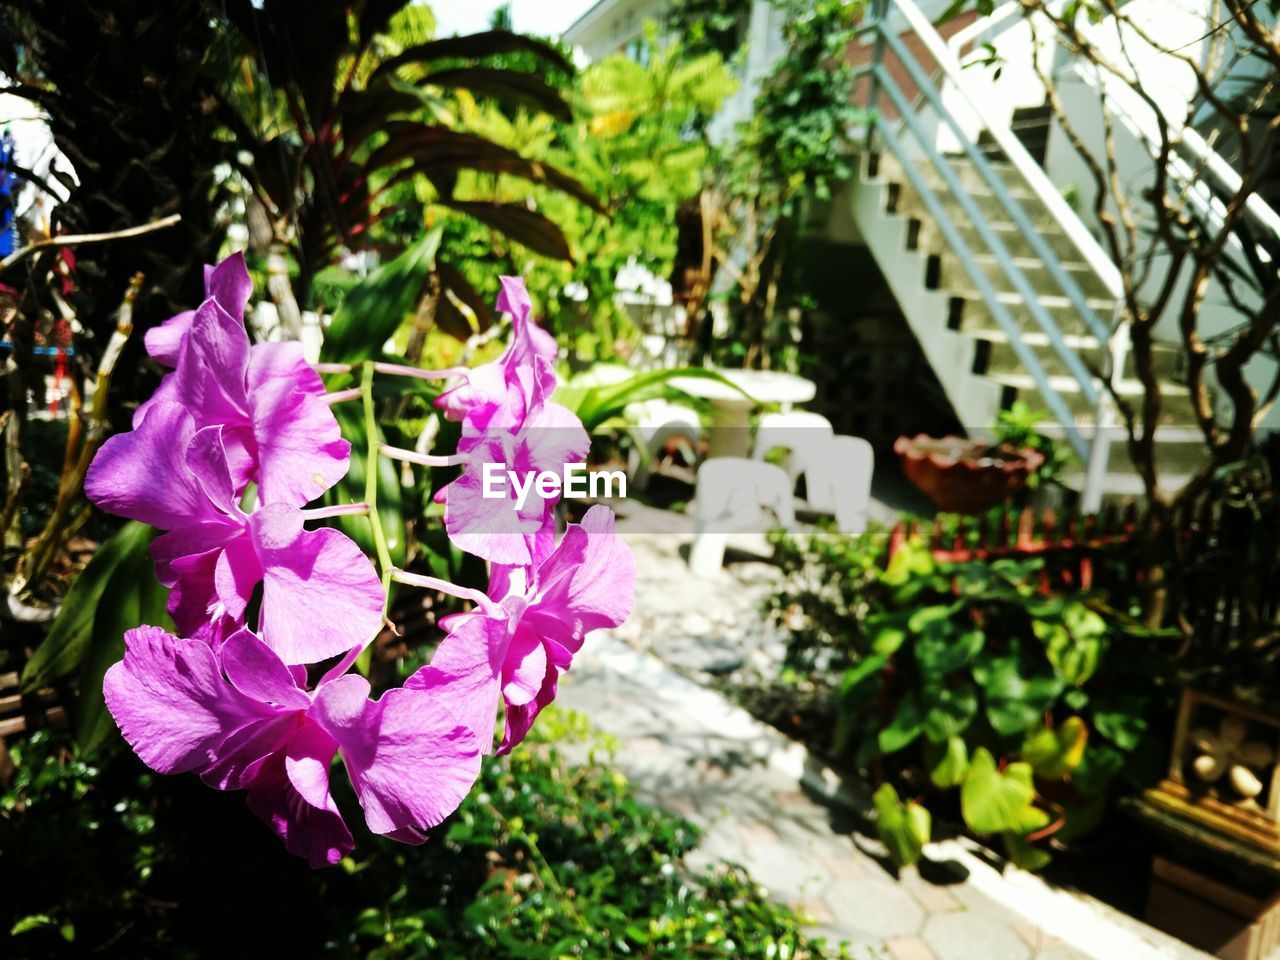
point(1008, 294)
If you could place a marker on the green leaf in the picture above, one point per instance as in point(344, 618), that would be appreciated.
point(133, 597)
point(932, 618)
point(63, 651)
point(35, 921)
point(941, 654)
point(992, 801)
point(858, 687)
point(1122, 720)
point(374, 310)
point(1076, 644)
point(1014, 702)
point(1024, 854)
point(913, 559)
point(887, 632)
point(513, 87)
point(475, 45)
point(1053, 754)
point(906, 725)
point(903, 828)
point(951, 710)
point(517, 222)
point(949, 763)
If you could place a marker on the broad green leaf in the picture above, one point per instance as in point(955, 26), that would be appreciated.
point(1014, 702)
point(374, 310)
point(1053, 754)
point(950, 710)
point(903, 828)
point(133, 597)
point(949, 763)
point(940, 654)
point(63, 651)
point(906, 725)
point(1075, 645)
point(992, 800)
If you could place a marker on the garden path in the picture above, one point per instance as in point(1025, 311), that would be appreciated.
point(768, 805)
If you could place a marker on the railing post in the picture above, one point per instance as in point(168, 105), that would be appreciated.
point(879, 10)
point(1100, 451)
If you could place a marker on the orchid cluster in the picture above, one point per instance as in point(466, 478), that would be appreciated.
point(256, 692)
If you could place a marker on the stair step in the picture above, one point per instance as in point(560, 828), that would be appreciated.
point(1179, 450)
point(931, 238)
point(988, 204)
point(954, 276)
point(970, 312)
point(998, 356)
point(1124, 486)
point(1176, 406)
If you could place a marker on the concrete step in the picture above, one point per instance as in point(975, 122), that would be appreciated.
point(1176, 405)
point(1180, 451)
point(996, 354)
point(932, 239)
point(970, 312)
point(1121, 487)
point(954, 276)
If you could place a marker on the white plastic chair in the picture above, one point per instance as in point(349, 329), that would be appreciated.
point(655, 424)
point(733, 494)
point(838, 481)
point(802, 433)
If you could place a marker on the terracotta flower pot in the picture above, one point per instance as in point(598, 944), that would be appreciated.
point(965, 476)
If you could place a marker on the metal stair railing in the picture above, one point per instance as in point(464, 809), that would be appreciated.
point(1093, 448)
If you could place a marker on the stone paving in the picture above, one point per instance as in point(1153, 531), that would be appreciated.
point(765, 803)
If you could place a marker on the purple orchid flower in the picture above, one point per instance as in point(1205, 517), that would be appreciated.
point(279, 432)
point(228, 283)
point(502, 389)
point(517, 648)
point(318, 588)
point(240, 720)
point(501, 528)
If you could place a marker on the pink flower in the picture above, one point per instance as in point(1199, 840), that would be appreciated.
point(498, 393)
point(318, 589)
point(240, 720)
point(279, 432)
point(228, 283)
point(501, 528)
point(518, 648)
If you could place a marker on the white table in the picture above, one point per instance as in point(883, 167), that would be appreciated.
point(730, 434)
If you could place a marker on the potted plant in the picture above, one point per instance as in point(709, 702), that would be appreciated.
point(961, 475)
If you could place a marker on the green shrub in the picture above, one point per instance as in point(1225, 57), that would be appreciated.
point(545, 859)
point(973, 679)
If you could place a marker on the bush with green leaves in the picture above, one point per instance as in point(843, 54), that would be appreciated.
point(547, 858)
point(973, 678)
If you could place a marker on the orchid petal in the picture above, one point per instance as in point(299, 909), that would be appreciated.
point(320, 593)
point(409, 759)
point(170, 700)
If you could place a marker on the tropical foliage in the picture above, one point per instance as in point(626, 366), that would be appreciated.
point(637, 144)
point(973, 677)
point(548, 858)
point(340, 107)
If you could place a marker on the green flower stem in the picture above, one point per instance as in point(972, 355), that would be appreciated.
point(371, 483)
